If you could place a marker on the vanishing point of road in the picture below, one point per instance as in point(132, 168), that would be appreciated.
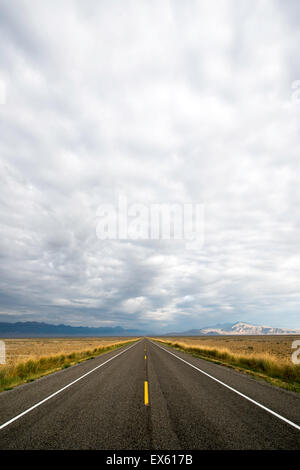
point(149, 396)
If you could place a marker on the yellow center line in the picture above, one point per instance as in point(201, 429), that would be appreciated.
point(146, 393)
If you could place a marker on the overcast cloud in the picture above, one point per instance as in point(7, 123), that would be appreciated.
point(162, 101)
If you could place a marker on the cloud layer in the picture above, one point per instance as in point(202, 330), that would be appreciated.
point(164, 102)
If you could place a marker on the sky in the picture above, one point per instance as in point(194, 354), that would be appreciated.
point(161, 102)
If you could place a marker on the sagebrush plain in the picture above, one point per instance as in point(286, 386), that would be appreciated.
point(30, 358)
point(265, 357)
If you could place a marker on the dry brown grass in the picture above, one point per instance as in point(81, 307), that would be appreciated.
point(279, 347)
point(23, 349)
point(29, 359)
point(266, 357)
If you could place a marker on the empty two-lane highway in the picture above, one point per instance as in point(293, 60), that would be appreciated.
point(148, 396)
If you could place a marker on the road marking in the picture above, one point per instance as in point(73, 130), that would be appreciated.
point(233, 390)
point(146, 393)
point(63, 388)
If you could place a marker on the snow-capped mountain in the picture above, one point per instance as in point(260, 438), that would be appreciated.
point(239, 328)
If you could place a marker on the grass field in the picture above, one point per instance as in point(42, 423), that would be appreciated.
point(22, 349)
point(30, 358)
point(266, 357)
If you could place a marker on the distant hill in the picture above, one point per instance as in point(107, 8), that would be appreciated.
point(37, 329)
point(238, 328)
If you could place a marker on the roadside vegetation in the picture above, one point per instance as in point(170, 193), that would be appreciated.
point(279, 372)
point(18, 371)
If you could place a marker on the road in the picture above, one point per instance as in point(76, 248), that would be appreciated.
point(107, 407)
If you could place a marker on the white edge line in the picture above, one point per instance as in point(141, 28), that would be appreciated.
point(232, 389)
point(63, 388)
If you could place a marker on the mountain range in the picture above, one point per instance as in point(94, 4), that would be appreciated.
point(237, 328)
point(38, 329)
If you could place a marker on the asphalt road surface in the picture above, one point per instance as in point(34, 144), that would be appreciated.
point(146, 396)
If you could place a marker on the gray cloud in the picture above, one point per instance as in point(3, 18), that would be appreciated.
point(163, 102)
